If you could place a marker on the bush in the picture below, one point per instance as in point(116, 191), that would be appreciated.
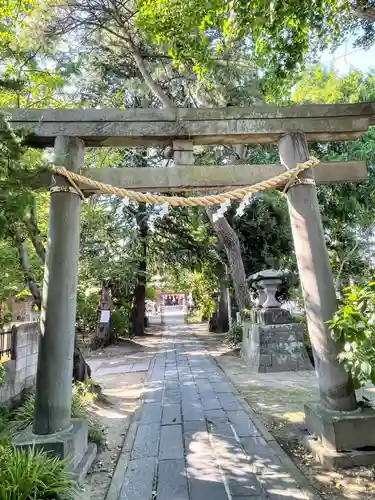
point(33, 475)
point(120, 323)
point(23, 416)
point(193, 317)
point(4, 424)
point(354, 327)
point(97, 435)
point(234, 334)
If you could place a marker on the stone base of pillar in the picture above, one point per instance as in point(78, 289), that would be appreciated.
point(274, 348)
point(340, 439)
point(69, 444)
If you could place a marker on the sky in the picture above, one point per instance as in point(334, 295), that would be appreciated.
point(348, 58)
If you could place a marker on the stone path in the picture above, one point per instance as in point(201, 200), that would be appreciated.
point(193, 440)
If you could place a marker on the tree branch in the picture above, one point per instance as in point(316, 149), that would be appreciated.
point(152, 85)
point(29, 277)
point(365, 14)
point(31, 223)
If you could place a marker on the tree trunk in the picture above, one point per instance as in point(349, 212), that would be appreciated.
point(364, 14)
point(229, 240)
point(28, 274)
point(81, 370)
point(31, 223)
point(139, 301)
point(223, 319)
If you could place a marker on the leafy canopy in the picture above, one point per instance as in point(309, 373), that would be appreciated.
point(278, 32)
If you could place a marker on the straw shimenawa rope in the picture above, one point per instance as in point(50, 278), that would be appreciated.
point(192, 201)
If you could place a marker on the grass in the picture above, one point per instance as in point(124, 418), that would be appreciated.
point(31, 474)
point(23, 416)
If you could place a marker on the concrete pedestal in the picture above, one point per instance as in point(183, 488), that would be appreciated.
point(70, 445)
point(274, 348)
point(341, 439)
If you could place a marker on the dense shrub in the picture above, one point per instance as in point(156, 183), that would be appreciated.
point(33, 475)
point(97, 435)
point(4, 424)
point(193, 317)
point(354, 327)
point(23, 416)
point(120, 323)
point(234, 334)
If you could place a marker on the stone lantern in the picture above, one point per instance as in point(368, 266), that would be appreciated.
point(271, 341)
point(268, 283)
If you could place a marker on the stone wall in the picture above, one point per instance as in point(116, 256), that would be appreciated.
point(20, 373)
point(274, 348)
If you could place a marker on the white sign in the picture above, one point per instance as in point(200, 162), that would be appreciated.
point(104, 316)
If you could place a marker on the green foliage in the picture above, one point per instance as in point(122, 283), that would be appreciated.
point(279, 33)
point(297, 318)
point(347, 209)
point(193, 317)
point(97, 435)
point(264, 232)
point(202, 289)
point(82, 398)
point(23, 416)
point(234, 334)
point(33, 475)
point(28, 76)
point(150, 293)
point(120, 322)
point(87, 308)
point(354, 327)
point(4, 422)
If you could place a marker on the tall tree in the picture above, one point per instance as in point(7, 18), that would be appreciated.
point(111, 29)
point(280, 34)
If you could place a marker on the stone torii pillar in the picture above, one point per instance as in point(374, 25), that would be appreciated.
point(339, 431)
point(54, 430)
point(335, 384)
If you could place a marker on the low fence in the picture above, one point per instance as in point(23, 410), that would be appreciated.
point(19, 356)
point(7, 345)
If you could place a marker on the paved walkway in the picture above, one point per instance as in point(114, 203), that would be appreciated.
point(193, 439)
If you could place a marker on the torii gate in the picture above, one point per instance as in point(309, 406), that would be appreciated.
point(70, 131)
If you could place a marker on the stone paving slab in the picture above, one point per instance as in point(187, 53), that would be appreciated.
point(207, 489)
point(141, 367)
point(229, 401)
point(146, 441)
point(151, 412)
point(171, 442)
point(113, 369)
point(138, 482)
point(211, 403)
point(171, 414)
point(194, 440)
point(242, 424)
point(192, 410)
point(172, 481)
